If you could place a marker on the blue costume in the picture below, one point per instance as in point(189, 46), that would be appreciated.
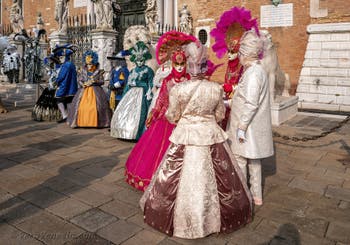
point(119, 78)
point(66, 80)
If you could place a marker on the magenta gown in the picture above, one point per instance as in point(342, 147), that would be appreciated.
point(147, 154)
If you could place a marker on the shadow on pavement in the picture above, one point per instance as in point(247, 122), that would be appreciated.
point(68, 181)
point(287, 234)
point(43, 148)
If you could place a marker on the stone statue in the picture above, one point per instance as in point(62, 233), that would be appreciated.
point(33, 61)
point(185, 20)
point(151, 16)
point(278, 80)
point(104, 14)
point(16, 17)
point(11, 63)
point(61, 15)
point(117, 10)
point(39, 22)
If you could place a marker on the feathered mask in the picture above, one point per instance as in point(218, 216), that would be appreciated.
point(169, 43)
point(230, 28)
point(140, 52)
point(90, 58)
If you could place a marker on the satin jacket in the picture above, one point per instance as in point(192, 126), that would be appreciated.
point(196, 106)
point(251, 112)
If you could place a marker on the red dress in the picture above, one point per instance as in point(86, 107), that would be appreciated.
point(147, 154)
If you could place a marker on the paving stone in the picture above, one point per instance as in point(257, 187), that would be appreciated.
point(90, 197)
point(346, 184)
point(43, 163)
point(24, 155)
point(310, 239)
point(105, 188)
point(280, 179)
point(313, 225)
point(131, 197)
point(115, 175)
point(61, 185)
point(268, 227)
point(68, 208)
point(78, 178)
point(246, 235)
point(305, 153)
point(332, 161)
point(16, 210)
point(307, 185)
point(4, 196)
point(98, 170)
point(291, 198)
point(167, 241)
point(344, 205)
point(119, 231)
point(139, 221)
point(323, 178)
point(42, 196)
point(339, 232)
point(339, 175)
point(120, 209)
point(6, 163)
point(330, 213)
point(12, 236)
point(338, 193)
point(145, 237)
point(50, 229)
point(89, 239)
point(286, 233)
point(213, 239)
point(93, 220)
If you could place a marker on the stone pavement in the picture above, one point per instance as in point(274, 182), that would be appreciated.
point(66, 186)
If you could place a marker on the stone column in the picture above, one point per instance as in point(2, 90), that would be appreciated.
point(104, 43)
point(169, 12)
point(57, 38)
point(90, 13)
point(160, 11)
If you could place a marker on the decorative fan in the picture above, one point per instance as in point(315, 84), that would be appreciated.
point(169, 42)
point(231, 26)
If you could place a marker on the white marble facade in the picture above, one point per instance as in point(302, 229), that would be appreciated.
point(324, 82)
point(167, 12)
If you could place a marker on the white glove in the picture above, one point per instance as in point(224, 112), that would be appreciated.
point(117, 85)
point(241, 135)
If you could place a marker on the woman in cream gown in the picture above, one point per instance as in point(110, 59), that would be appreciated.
point(198, 188)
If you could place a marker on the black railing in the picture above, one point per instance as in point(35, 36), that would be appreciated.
point(79, 33)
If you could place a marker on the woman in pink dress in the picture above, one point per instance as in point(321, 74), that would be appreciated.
point(146, 155)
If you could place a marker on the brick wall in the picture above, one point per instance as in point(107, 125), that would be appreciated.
point(31, 9)
point(291, 42)
point(338, 11)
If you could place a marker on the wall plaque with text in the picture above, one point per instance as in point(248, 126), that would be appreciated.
point(80, 3)
point(276, 16)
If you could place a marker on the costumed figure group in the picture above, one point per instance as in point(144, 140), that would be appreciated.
point(198, 141)
point(80, 99)
point(192, 166)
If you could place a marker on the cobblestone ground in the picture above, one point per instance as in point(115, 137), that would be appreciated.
point(66, 186)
